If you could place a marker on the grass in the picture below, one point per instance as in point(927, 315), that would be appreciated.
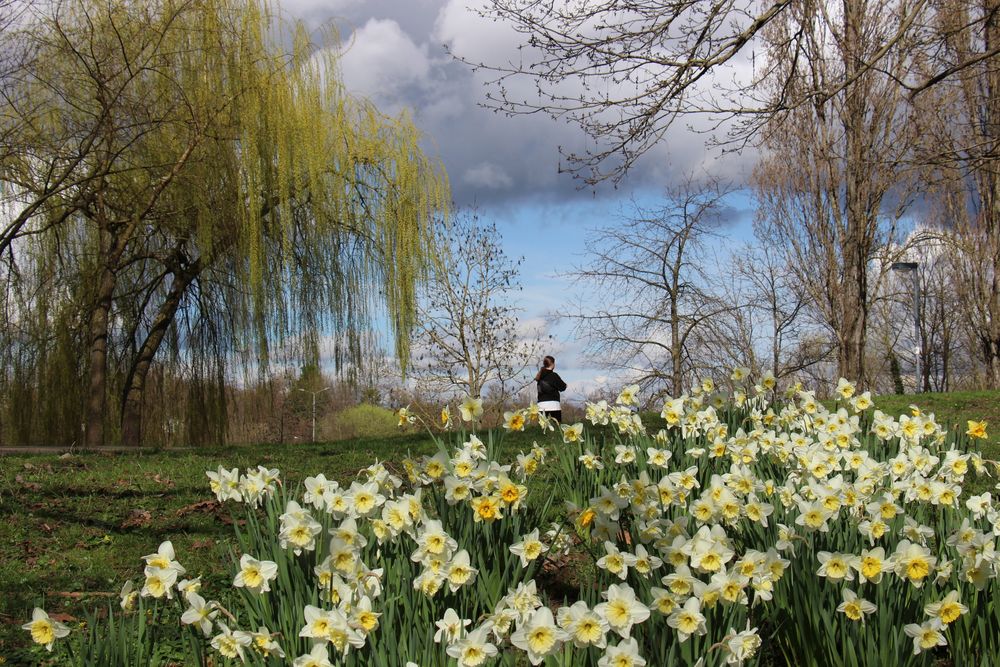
point(953, 410)
point(76, 528)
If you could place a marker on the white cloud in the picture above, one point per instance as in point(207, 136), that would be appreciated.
point(487, 175)
point(380, 60)
point(473, 37)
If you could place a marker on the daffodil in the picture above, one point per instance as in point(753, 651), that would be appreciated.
point(913, 562)
point(487, 508)
point(926, 636)
point(199, 613)
point(473, 649)
point(404, 417)
point(688, 620)
point(529, 548)
point(319, 656)
point(624, 654)
point(264, 644)
point(164, 558)
point(450, 628)
point(460, 571)
point(231, 644)
point(622, 610)
point(948, 610)
point(159, 582)
point(44, 630)
point(616, 562)
point(836, 566)
point(538, 636)
point(514, 421)
point(583, 626)
point(572, 433)
point(855, 608)
point(471, 409)
point(128, 596)
point(976, 429)
point(255, 575)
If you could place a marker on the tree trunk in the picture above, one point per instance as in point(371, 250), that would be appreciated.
point(853, 319)
point(135, 384)
point(97, 387)
point(857, 189)
point(989, 218)
point(676, 350)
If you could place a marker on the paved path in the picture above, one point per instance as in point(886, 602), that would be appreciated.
point(9, 451)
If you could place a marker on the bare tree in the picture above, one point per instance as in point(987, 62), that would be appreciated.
point(646, 281)
point(776, 300)
point(929, 339)
point(625, 70)
point(468, 331)
point(959, 123)
point(833, 168)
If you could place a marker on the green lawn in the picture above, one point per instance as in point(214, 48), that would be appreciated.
point(75, 528)
point(954, 409)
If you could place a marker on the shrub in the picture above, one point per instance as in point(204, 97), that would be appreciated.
point(360, 421)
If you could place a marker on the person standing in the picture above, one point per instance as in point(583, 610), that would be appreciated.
point(549, 386)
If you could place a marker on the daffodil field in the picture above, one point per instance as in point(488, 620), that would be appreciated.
point(751, 528)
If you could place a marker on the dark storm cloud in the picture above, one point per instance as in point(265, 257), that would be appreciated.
point(396, 56)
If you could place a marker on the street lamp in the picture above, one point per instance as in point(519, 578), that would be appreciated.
point(314, 394)
point(911, 267)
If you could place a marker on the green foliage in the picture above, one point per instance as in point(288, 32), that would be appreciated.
point(361, 421)
point(219, 195)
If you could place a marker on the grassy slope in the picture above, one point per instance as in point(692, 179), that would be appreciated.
point(78, 525)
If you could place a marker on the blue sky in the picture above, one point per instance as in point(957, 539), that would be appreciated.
point(394, 53)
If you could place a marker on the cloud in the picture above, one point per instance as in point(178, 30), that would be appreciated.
point(381, 61)
point(487, 175)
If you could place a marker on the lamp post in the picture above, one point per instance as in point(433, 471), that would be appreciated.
point(911, 267)
point(314, 394)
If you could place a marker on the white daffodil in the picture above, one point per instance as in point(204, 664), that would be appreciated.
point(688, 619)
point(255, 575)
point(616, 562)
point(625, 654)
point(855, 608)
point(538, 636)
point(231, 644)
point(583, 626)
point(529, 548)
point(622, 610)
point(948, 610)
point(741, 646)
point(164, 558)
point(926, 636)
point(128, 596)
point(473, 649)
point(471, 409)
point(459, 571)
point(199, 613)
point(264, 644)
point(159, 582)
point(451, 627)
point(317, 657)
point(43, 629)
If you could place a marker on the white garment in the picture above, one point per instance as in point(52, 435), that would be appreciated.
point(549, 406)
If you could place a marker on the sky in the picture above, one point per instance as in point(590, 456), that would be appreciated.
point(398, 53)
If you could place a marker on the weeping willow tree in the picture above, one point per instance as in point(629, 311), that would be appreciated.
point(199, 191)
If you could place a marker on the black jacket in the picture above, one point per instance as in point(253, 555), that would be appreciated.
point(549, 385)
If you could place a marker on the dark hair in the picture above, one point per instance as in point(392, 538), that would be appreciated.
point(549, 361)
